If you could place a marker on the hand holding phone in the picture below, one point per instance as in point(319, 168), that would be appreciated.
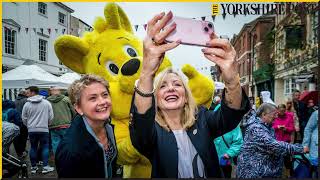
point(190, 31)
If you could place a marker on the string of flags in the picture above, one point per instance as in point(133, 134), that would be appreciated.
point(63, 30)
point(41, 30)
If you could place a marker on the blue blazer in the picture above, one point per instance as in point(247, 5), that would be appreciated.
point(160, 146)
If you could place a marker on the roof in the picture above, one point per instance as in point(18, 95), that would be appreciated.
point(252, 24)
point(64, 7)
point(11, 22)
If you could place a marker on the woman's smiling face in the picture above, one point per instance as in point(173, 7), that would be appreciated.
point(95, 102)
point(171, 94)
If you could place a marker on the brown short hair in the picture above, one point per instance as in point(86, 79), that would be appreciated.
point(75, 89)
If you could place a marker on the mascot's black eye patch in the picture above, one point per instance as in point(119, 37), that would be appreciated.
point(99, 58)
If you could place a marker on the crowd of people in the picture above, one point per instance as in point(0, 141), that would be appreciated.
point(290, 124)
point(180, 139)
point(36, 115)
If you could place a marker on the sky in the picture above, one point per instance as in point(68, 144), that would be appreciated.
point(140, 13)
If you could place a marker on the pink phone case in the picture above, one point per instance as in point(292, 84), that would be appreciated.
point(190, 31)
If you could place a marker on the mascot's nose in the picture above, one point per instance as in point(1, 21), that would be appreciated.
point(130, 67)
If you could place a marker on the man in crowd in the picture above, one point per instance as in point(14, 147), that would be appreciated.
point(21, 140)
point(302, 111)
point(37, 114)
point(63, 114)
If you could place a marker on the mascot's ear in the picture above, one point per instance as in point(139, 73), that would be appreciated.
point(116, 18)
point(71, 51)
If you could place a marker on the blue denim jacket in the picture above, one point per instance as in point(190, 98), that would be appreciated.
point(311, 135)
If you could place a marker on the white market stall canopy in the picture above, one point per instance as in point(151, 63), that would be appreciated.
point(30, 75)
point(69, 77)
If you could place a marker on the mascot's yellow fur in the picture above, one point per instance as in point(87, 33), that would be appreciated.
point(115, 53)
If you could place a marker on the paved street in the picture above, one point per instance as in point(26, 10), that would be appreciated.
point(38, 174)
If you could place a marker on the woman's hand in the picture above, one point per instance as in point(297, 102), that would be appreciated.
point(154, 46)
point(154, 49)
point(221, 52)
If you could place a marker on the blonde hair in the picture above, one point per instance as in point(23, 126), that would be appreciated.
point(77, 86)
point(190, 108)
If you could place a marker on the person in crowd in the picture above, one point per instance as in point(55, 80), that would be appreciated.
point(284, 129)
point(37, 114)
point(228, 147)
point(252, 104)
point(257, 102)
point(44, 93)
point(63, 113)
point(266, 97)
point(166, 125)
point(290, 109)
point(311, 108)
point(88, 149)
point(215, 103)
point(10, 114)
point(302, 111)
point(261, 155)
point(23, 136)
point(310, 141)
point(283, 125)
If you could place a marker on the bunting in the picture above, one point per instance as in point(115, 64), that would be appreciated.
point(213, 18)
point(136, 26)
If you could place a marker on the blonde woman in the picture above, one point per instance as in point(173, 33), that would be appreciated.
point(167, 126)
point(88, 149)
point(292, 111)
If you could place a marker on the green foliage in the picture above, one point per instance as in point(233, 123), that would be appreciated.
point(264, 73)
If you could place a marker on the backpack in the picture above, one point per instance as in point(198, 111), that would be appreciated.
point(5, 115)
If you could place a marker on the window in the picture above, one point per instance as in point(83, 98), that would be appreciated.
point(289, 85)
point(10, 41)
point(42, 8)
point(42, 50)
point(62, 18)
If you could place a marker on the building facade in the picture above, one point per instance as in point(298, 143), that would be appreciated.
point(295, 53)
point(261, 67)
point(29, 31)
point(253, 52)
point(78, 27)
point(241, 43)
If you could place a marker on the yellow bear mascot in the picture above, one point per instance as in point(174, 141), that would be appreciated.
point(113, 52)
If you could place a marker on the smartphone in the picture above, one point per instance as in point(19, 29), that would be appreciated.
point(190, 31)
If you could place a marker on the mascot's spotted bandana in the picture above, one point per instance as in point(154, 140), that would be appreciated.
point(113, 52)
